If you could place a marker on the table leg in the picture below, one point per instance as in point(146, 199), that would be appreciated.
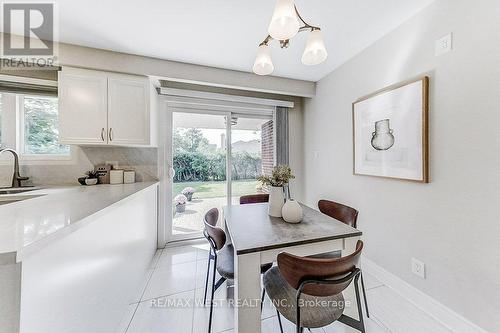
point(247, 293)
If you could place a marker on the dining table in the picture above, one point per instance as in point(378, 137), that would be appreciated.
point(258, 238)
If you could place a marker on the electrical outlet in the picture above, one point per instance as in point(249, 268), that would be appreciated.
point(444, 44)
point(418, 268)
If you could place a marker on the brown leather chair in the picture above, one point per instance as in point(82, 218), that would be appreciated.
point(308, 291)
point(222, 254)
point(338, 211)
point(347, 215)
point(254, 198)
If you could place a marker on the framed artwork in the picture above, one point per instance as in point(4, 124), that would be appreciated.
point(390, 132)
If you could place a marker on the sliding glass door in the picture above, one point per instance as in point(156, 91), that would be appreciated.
point(252, 153)
point(214, 163)
point(199, 182)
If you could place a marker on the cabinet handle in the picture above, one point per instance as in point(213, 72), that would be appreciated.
point(102, 134)
point(110, 134)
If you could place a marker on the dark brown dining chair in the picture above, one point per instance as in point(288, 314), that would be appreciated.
point(349, 216)
point(308, 291)
point(338, 211)
point(222, 254)
point(254, 198)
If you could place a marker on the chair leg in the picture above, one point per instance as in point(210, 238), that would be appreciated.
point(299, 329)
point(212, 299)
point(279, 320)
point(262, 298)
point(206, 279)
point(364, 294)
point(360, 307)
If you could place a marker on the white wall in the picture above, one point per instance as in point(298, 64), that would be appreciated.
point(451, 224)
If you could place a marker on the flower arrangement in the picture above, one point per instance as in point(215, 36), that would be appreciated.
point(188, 192)
point(280, 176)
point(180, 203)
point(180, 199)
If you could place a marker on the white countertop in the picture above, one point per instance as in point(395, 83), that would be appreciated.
point(26, 225)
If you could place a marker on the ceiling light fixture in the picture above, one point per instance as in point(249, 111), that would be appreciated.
point(285, 24)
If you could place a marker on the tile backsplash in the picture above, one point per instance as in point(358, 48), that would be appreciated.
point(143, 160)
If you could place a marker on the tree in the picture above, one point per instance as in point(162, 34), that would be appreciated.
point(189, 140)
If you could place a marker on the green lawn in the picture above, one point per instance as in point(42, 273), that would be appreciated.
point(217, 189)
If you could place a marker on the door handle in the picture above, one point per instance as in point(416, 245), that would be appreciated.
point(171, 172)
point(102, 134)
point(110, 134)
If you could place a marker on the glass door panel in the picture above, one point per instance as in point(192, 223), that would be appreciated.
point(199, 161)
point(252, 153)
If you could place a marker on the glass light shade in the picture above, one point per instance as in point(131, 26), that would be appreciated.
point(315, 51)
point(284, 24)
point(263, 64)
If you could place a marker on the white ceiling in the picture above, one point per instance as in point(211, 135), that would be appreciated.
point(225, 33)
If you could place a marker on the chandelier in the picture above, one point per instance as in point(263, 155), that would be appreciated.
point(285, 24)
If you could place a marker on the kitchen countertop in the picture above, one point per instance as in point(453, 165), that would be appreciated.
point(53, 212)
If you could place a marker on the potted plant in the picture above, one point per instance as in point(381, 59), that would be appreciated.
point(188, 192)
point(180, 203)
point(91, 178)
point(276, 182)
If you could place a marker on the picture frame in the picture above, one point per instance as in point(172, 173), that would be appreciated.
point(391, 130)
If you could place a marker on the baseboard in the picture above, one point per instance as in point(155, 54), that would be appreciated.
point(444, 315)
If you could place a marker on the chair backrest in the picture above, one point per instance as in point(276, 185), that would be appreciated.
point(338, 211)
point(297, 269)
point(254, 198)
point(215, 235)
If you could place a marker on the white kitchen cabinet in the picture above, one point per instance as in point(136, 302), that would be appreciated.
point(83, 104)
point(126, 108)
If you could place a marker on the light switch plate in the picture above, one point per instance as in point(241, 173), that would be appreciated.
point(444, 44)
point(418, 268)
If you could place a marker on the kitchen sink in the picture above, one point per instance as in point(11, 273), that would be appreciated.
point(7, 199)
point(16, 190)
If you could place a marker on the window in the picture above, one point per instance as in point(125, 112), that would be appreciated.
point(29, 124)
point(41, 135)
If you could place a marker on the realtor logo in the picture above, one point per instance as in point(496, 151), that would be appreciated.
point(28, 34)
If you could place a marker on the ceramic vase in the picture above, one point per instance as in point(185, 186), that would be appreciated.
point(276, 201)
point(189, 196)
point(382, 138)
point(292, 211)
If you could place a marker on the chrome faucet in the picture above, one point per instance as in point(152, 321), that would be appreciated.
point(16, 178)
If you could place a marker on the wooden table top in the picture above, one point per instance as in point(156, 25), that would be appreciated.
point(253, 230)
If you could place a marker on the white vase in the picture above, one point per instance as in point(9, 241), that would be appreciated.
point(292, 212)
point(276, 201)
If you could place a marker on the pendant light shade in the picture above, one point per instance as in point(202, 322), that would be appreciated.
point(315, 51)
point(263, 64)
point(284, 24)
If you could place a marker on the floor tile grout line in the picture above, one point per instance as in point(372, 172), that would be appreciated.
point(132, 318)
point(194, 293)
point(376, 287)
point(167, 295)
point(150, 276)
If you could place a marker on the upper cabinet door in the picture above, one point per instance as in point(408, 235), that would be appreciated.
point(129, 110)
point(82, 107)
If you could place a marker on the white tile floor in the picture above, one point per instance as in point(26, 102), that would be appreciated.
point(176, 281)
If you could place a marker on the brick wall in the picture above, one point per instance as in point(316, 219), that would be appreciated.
point(267, 148)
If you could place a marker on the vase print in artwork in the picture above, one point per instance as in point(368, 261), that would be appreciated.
point(382, 138)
